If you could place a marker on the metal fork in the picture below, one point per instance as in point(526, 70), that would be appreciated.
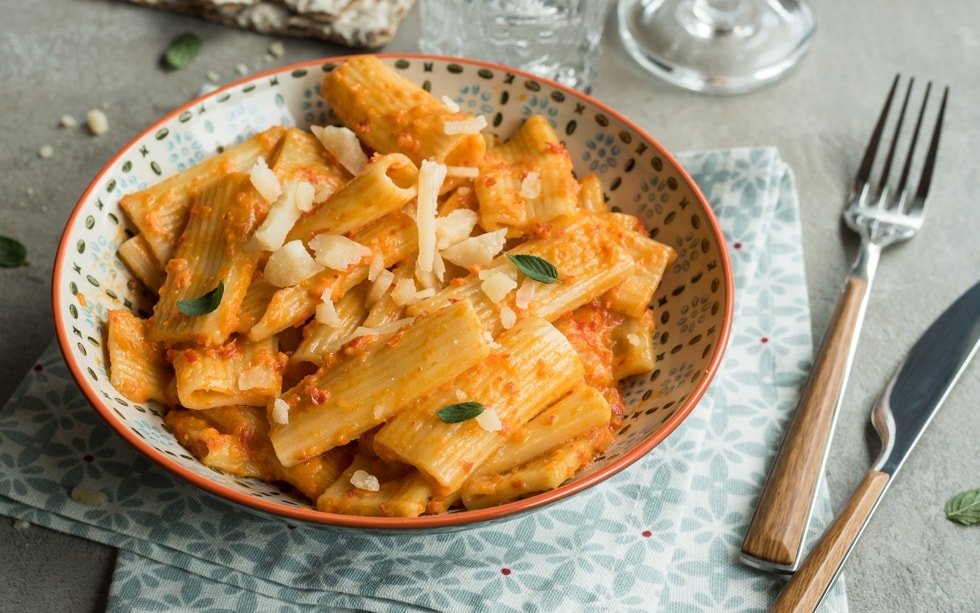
point(881, 216)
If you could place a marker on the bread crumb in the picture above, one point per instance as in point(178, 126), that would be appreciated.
point(45, 152)
point(277, 49)
point(21, 524)
point(241, 69)
point(83, 495)
point(98, 123)
point(213, 76)
point(67, 121)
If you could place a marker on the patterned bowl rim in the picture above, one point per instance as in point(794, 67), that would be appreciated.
point(393, 525)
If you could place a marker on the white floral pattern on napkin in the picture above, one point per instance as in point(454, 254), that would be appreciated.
point(662, 535)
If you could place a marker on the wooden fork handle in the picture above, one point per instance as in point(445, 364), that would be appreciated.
point(775, 536)
point(806, 589)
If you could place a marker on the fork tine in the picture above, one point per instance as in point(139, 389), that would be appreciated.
point(860, 181)
point(887, 168)
point(925, 180)
point(915, 139)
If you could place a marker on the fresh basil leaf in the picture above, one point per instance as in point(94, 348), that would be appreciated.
point(462, 411)
point(535, 268)
point(202, 305)
point(964, 508)
point(182, 51)
point(12, 253)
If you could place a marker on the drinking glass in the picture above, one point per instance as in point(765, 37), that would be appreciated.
point(556, 39)
point(717, 46)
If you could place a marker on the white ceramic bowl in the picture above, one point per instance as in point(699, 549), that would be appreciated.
point(693, 305)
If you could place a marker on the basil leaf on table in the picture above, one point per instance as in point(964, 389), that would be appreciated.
point(964, 508)
point(182, 51)
point(12, 253)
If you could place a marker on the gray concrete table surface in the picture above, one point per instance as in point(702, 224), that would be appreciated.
point(62, 57)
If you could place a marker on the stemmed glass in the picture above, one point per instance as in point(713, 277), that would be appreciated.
point(717, 46)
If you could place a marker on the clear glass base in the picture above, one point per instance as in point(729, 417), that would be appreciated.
point(717, 46)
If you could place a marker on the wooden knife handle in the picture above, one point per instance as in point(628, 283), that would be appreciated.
point(775, 536)
point(810, 583)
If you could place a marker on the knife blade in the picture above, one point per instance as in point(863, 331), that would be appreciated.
point(903, 411)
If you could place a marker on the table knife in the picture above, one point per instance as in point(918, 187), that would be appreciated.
point(902, 412)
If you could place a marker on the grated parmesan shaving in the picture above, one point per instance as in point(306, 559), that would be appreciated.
point(363, 480)
point(450, 104)
point(438, 268)
point(507, 317)
point(382, 330)
point(343, 145)
point(305, 196)
point(376, 266)
point(531, 186)
point(431, 176)
point(427, 279)
point(504, 268)
point(380, 286)
point(497, 285)
point(255, 377)
point(489, 420)
point(404, 292)
point(326, 311)
point(290, 264)
point(265, 181)
point(463, 172)
point(465, 126)
point(280, 412)
point(337, 252)
point(455, 227)
point(491, 342)
point(283, 215)
point(477, 250)
point(525, 294)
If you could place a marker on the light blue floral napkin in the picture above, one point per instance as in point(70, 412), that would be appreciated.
point(662, 535)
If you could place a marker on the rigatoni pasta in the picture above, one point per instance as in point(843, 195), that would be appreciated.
point(395, 316)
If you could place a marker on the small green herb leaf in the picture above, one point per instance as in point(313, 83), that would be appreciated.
point(459, 412)
point(12, 253)
point(964, 508)
point(182, 51)
point(535, 268)
point(202, 305)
